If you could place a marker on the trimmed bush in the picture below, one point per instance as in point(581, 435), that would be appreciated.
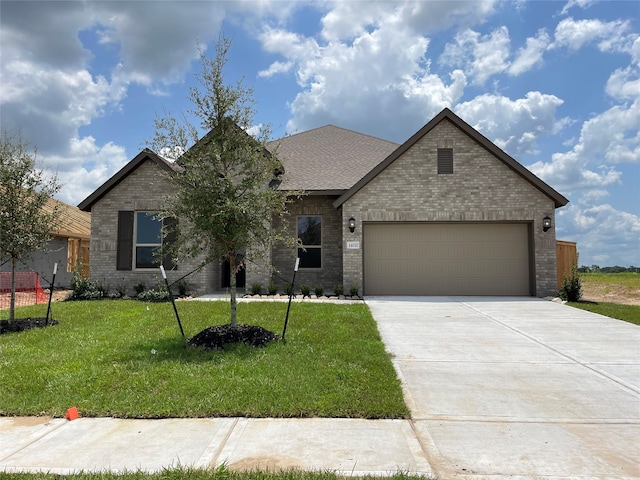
point(160, 295)
point(353, 290)
point(256, 289)
point(338, 289)
point(305, 290)
point(571, 289)
point(273, 288)
point(85, 289)
point(319, 290)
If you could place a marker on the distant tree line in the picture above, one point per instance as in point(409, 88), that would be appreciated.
point(616, 269)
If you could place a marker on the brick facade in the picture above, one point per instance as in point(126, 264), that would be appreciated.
point(486, 186)
point(283, 258)
point(481, 189)
point(144, 189)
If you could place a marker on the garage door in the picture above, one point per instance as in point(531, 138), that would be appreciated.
point(446, 259)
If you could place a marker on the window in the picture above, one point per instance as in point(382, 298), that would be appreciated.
point(310, 236)
point(445, 161)
point(148, 235)
point(140, 237)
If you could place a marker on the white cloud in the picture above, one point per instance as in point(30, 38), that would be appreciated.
point(574, 34)
point(530, 55)
point(83, 166)
point(346, 20)
point(572, 3)
point(624, 83)
point(604, 234)
point(481, 56)
point(513, 125)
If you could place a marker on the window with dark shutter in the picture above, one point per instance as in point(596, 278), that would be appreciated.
point(169, 225)
point(124, 256)
point(445, 161)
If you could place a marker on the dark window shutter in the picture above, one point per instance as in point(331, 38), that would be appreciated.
point(169, 225)
point(445, 160)
point(124, 257)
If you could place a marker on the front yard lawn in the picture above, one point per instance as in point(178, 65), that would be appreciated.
point(628, 313)
point(127, 359)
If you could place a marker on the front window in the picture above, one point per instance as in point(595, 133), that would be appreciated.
point(148, 235)
point(310, 236)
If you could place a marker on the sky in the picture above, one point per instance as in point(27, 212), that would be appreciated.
point(556, 84)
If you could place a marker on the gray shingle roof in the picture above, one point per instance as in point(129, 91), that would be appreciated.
point(329, 158)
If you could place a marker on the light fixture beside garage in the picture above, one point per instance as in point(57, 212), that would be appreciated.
point(546, 223)
point(352, 224)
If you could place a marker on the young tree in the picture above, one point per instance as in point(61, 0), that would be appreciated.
point(224, 195)
point(25, 224)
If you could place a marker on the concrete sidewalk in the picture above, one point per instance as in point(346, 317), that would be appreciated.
point(347, 447)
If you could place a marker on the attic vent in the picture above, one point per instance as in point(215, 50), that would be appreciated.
point(445, 161)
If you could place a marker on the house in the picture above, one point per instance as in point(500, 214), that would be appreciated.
point(68, 247)
point(445, 213)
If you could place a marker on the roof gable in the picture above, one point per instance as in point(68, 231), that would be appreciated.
point(139, 159)
point(500, 154)
point(328, 159)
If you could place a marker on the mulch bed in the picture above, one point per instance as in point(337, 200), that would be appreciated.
point(212, 338)
point(22, 324)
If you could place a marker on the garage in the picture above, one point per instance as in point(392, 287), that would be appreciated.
point(447, 259)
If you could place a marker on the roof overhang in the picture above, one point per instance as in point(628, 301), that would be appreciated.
point(559, 199)
point(143, 156)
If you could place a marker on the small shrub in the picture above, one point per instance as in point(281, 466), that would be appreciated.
point(288, 289)
point(571, 289)
point(152, 295)
point(139, 288)
point(319, 290)
point(182, 288)
point(256, 289)
point(85, 289)
point(121, 292)
point(305, 290)
point(353, 290)
point(273, 288)
point(338, 289)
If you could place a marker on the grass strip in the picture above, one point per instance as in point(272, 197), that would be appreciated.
point(220, 473)
point(127, 359)
point(628, 313)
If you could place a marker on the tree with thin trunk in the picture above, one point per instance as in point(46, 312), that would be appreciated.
point(224, 193)
point(25, 223)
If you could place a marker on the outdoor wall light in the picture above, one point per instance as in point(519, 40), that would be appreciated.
point(546, 223)
point(352, 224)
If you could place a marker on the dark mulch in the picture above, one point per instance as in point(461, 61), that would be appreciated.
point(220, 335)
point(22, 324)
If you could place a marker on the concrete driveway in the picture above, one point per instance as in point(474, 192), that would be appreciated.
point(517, 387)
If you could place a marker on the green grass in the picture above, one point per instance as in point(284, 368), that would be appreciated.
point(628, 313)
point(99, 359)
point(220, 473)
point(627, 279)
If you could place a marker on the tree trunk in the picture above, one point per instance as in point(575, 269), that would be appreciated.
point(12, 304)
point(232, 286)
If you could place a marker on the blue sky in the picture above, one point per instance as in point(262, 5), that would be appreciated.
point(555, 84)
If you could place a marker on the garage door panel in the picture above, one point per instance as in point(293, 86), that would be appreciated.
point(446, 259)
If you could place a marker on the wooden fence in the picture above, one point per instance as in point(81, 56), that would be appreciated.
point(567, 256)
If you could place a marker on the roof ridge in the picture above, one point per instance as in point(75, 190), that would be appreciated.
point(337, 127)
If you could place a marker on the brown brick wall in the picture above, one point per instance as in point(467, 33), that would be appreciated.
point(284, 258)
point(143, 189)
point(482, 188)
